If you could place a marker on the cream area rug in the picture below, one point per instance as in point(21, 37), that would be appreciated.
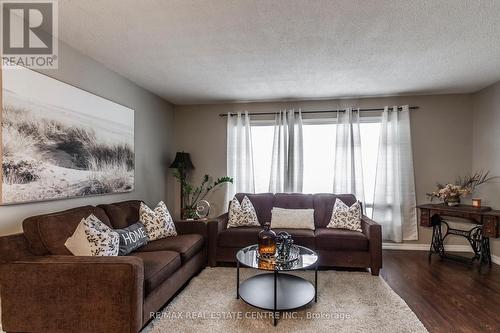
point(347, 302)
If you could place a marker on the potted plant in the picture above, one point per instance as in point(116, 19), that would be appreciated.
point(193, 195)
point(452, 193)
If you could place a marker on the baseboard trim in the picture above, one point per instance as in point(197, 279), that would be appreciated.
point(425, 247)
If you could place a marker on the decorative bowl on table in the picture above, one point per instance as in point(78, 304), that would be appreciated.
point(283, 258)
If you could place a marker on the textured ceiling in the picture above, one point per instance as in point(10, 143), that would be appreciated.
point(243, 50)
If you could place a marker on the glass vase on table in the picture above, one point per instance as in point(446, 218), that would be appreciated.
point(267, 243)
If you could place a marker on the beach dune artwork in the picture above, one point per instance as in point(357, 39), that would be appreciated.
point(59, 141)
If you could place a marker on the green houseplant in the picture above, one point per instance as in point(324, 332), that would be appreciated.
point(192, 195)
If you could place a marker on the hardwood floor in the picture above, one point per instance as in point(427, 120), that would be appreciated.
point(446, 296)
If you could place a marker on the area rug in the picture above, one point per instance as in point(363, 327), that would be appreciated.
point(347, 302)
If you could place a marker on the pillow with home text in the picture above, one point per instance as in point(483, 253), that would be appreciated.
point(132, 238)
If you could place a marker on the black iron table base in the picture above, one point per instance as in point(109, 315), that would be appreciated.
point(479, 243)
point(277, 291)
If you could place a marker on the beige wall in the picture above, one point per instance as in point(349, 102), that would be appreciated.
point(441, 133)
point(153, 136)
point(486, 145)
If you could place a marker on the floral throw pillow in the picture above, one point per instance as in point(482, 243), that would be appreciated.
point(158, 222)
point(345, 217)
point(93, 238)
point(242, 215)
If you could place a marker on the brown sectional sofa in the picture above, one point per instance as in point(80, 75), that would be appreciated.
point(44, 288)
point(335, 247)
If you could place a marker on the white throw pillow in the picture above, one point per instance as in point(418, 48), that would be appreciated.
point(242, 215)
point(345, 217)
point(93, 238)
point(158, 222)
point(292, 218)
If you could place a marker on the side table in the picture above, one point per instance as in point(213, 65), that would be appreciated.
point(485, 219)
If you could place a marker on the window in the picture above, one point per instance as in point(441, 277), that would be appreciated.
point(262, 145)
point(319, 157)
point(319, 154)
point(370, 132)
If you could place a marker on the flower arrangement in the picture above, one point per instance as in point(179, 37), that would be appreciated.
point(451, 193)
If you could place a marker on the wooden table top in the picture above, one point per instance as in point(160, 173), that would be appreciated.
point(485, 210)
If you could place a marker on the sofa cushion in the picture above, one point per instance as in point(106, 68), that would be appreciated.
point(323, 206)
point(46, 234)
point(158, 221)
point(246, 236)
point(293, 200)
point(93, 238)
point(242, 215)
point(346, 217)
point(132, 238)
point(262, 202)
point(288, 218)
point(158, 266)
point(122, 214)
point(340, 240)
point(187, 245)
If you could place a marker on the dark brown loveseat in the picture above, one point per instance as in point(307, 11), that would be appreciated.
point(335, 247)
point(44, 288)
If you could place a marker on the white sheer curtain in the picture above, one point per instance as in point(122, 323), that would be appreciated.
point(394, 201)
point(348, 169)
point(239, 154)
point(287, 166)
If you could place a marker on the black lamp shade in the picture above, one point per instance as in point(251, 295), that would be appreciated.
point(182, 161)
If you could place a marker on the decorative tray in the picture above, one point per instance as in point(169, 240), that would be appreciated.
point(281, 259)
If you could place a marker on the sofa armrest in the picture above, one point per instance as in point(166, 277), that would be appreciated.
point(13, 247)
point(71, 293)
point(373, 232)
point(215, 227)
point(368, 225)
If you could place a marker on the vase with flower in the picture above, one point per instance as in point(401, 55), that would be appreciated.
point(463, 186)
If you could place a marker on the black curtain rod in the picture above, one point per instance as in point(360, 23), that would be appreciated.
point(317, 111)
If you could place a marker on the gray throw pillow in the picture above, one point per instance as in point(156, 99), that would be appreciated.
point(132, 238)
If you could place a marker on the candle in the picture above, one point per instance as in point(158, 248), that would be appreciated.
point(476, 203)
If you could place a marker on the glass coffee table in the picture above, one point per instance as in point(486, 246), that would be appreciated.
point(277, 291)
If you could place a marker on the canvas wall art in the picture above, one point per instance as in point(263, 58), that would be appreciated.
point(59, 141)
